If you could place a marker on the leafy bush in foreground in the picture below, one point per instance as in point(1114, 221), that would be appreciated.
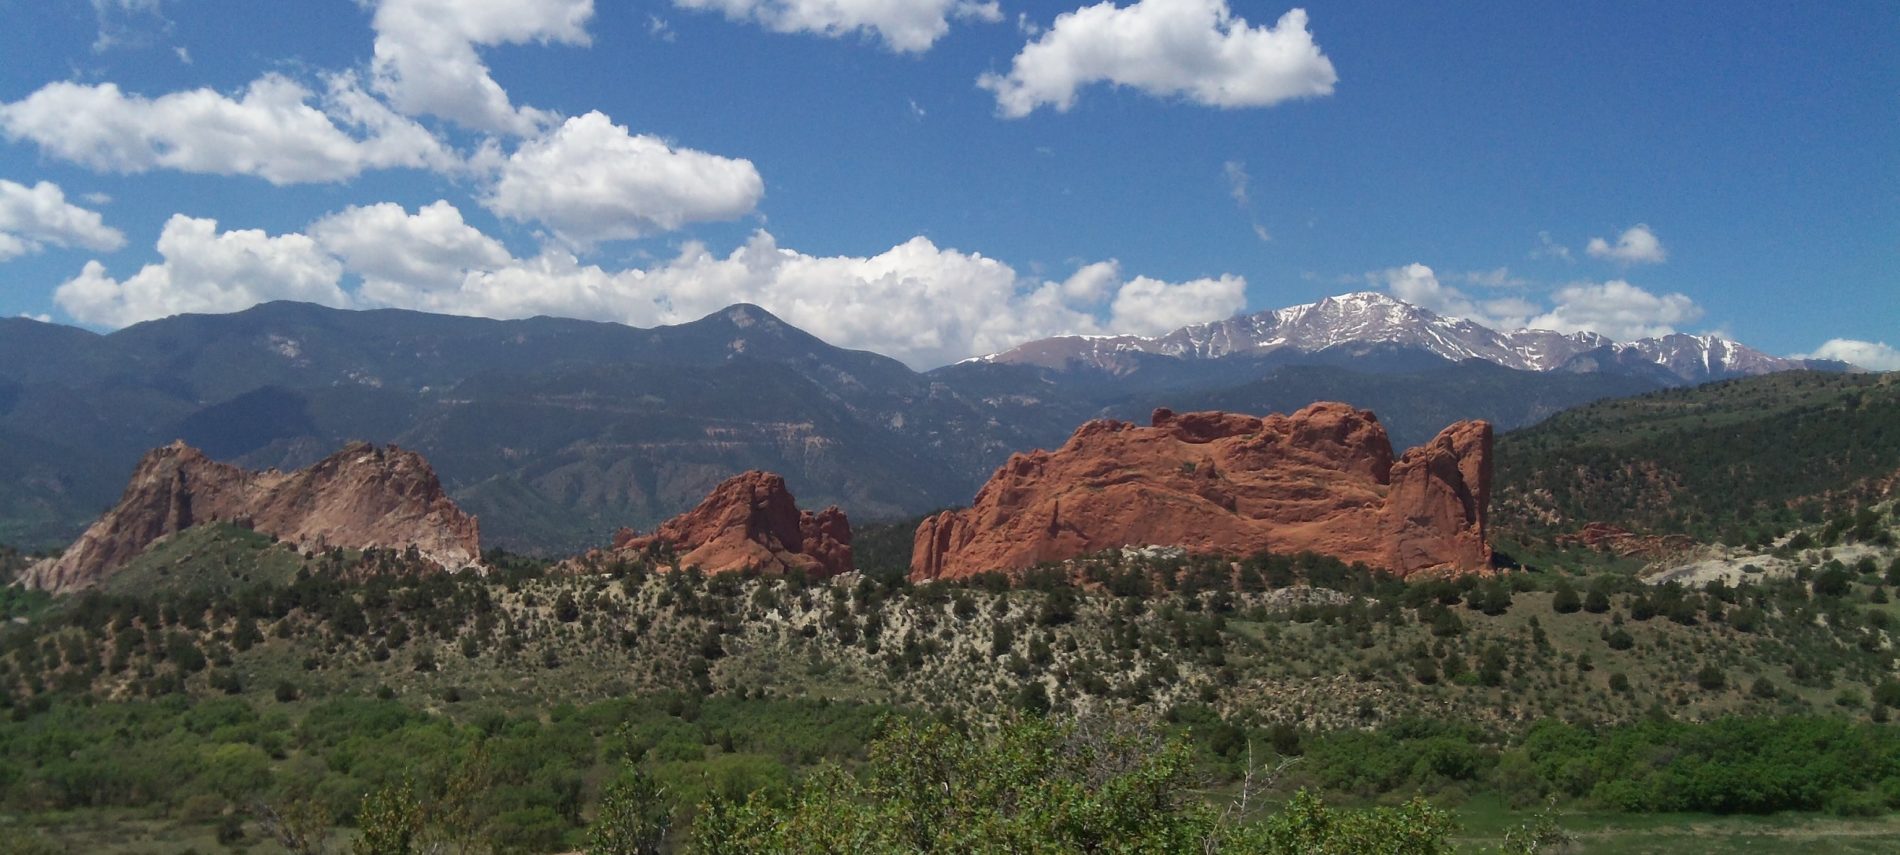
point(1731, 765)
point(1040, 787)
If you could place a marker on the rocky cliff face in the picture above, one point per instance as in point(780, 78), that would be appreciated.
point(360, 497)
point(751, 521)
point(1323, 479)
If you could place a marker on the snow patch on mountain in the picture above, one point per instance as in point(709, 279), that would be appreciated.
point(1370, 317)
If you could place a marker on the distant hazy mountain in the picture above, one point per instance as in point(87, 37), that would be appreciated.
point(1370, 318)
point(555, 432)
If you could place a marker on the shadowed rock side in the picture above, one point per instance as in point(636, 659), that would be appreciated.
point(358, 498)
point(1322, 479)
point(751, 520)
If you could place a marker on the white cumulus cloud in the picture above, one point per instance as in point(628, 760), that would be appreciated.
point(40, 214)
point(205, 270)
point(1617, 309)
point(1419, 285)
point(921, 303)
point(591, 180)
point(397, 253)
point(1636, 245)
point(1146, 306)
point(1876, 355)
point(272, 130)
point(904, 26)
point(425, 60)
point(1198, 50)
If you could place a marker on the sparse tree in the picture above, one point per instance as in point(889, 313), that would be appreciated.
point(298, 822)
point(633, 818)
point(391, 820)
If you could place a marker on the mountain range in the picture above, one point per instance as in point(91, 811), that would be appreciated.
point(556, 432)
point(1368, 317)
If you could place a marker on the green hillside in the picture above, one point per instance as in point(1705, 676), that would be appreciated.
point(223, 680)
point(207, 559)
point(1738, 460)
point(233, 678)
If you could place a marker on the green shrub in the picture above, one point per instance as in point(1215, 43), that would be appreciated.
point(632, 819)
point(390, 819)
point(1565, 600)
point(1855, 803)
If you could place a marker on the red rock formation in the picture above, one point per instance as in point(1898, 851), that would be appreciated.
point(752, 520)
point(358, 498)
point(1435, 510)
point(826, 536)
point(1627, 544)
point(1322, 479)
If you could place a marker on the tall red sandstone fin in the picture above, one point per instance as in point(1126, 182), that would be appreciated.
point(938, 536)
point(360, 497)
point(751, 520)
point(1322, 479)
point(1435, 514)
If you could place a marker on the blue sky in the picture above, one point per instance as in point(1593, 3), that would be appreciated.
point(938, 178)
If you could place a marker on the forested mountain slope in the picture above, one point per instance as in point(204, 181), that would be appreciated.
point(1735, 460)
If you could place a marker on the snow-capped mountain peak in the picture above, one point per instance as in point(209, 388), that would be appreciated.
point(1372, 318)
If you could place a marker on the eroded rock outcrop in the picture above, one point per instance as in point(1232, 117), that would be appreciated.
point(358, 498)
point(1322, 479)
point(750, 521)
point(1623, 543)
